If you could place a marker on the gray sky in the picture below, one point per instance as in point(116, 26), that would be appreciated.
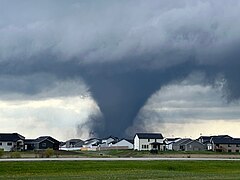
point(115, 64)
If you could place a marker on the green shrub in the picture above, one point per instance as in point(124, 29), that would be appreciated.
point(49, 152)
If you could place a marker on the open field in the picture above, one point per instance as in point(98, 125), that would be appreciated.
point(125, 153)
point(120, 170)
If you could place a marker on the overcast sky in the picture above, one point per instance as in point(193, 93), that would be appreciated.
point(74, 68)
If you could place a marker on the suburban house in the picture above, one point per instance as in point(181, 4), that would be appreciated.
point(148, 141)
point(220, 143)
point(206, 141)
point(11, 142)
point(225, 143)
point(193, 146)
point(123, 144)
point(106, 141)
point(176, 146)
point(29, 144)
point(71, 145)
point(45, 142)
point(74, 143)
point(91, 144)
point(169, 143)
point(188, 145)
point(42, 142)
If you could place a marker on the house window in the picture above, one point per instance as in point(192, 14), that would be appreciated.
point(44, 144)
point(0, 143)
point(229, 145)
point(148, 140)
point(229, 150)
point(237, 151)
point(9, 144)
point(238, 145)
point(144, 146)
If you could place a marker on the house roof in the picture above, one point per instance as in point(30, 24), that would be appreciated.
point(192, 141)
point(42, 138)
point(62, 144)
point(149, 135)
point(128, 140)
point(92, 141)
point(74, 141)
point(79, 144)
point(225, 140)
point(172, 139)
point(29, 141)
point(113, 137)
point(11, 137)
point(182, 141)
point(204, 138)
point(187, 141)
point(169, 141)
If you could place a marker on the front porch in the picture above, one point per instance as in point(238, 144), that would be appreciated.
point(156, 146)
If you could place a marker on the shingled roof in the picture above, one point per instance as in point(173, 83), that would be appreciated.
point(11, 137)
point(225, 140)
point(42, 138)
point(149, 135)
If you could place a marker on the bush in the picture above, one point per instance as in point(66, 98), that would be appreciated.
point(1, 153)
point(49, 152)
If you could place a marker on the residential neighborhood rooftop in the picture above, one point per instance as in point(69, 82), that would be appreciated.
point(149, 135)
point(10, 136)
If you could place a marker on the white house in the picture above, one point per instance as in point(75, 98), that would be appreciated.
point(11, 142)
point(91, 144)
point(123, 144)
point(148, 141)
point(106, 141)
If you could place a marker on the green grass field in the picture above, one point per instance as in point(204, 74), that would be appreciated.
point(121, 170)
point(122, 153)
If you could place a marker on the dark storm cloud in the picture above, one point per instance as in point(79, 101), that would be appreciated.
point(124, 50)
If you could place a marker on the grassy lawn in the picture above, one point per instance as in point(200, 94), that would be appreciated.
point(120, 170)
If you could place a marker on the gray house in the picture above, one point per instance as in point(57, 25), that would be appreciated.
point(193, 146)
point(169, 142)
point(188, 145)
point(225, 143)
point(11, 142)
point(74, 143)
point(71, 145)
point(206, 141)
point(42, 142)
point(176, 146)
point(45, 142)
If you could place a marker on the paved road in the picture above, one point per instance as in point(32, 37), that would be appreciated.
point(119, 159)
